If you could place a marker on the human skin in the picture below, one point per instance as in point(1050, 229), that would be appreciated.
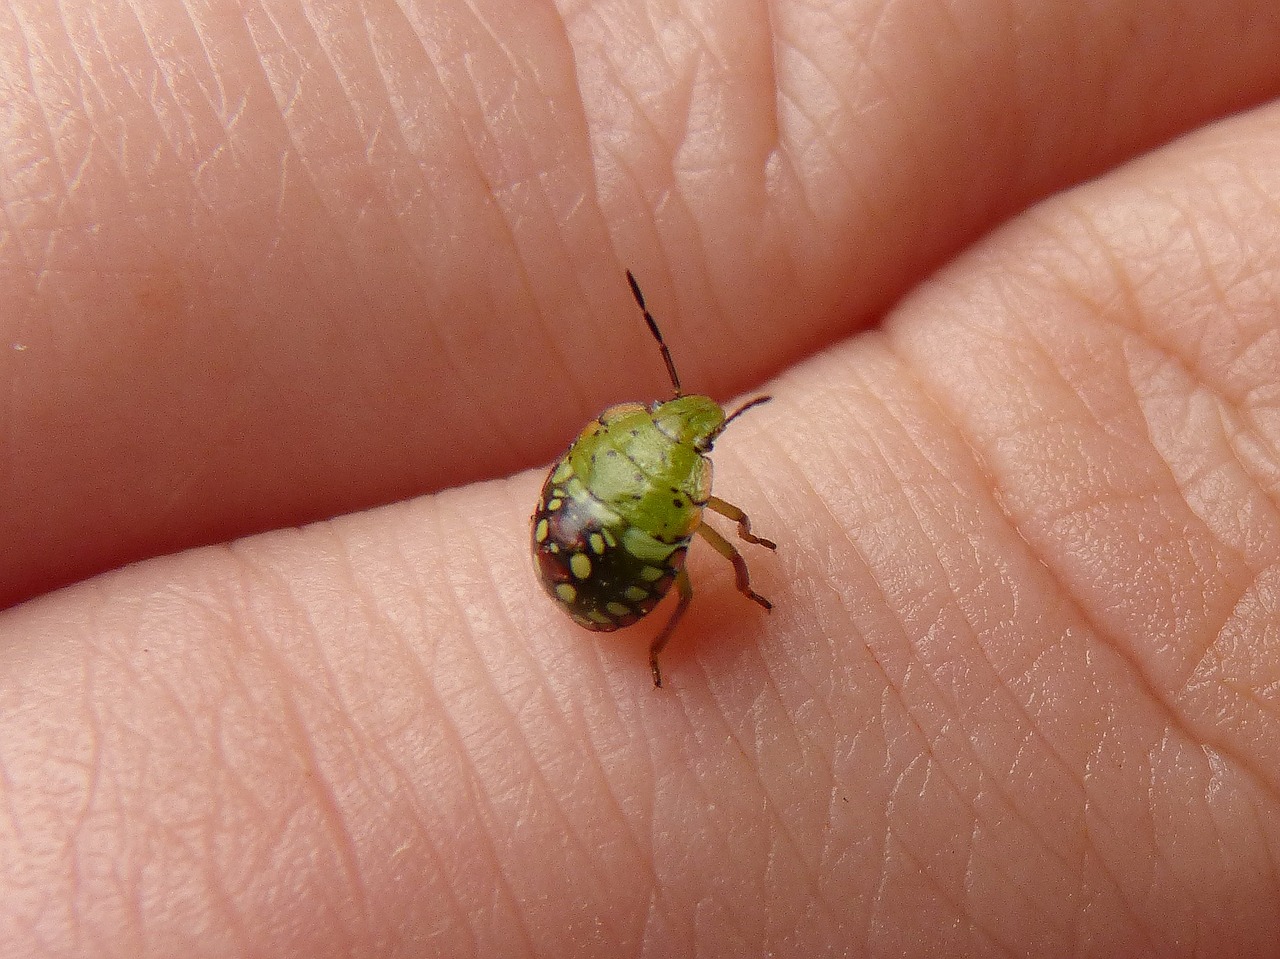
point(264, 265)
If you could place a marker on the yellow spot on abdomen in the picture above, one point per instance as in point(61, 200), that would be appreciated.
point(580, 565)
point(540, 533)
point(566, 592)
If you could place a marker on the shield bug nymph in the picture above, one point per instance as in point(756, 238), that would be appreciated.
point(618, 510)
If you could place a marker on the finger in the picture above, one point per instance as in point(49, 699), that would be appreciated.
point(951, 732)
point(343, 260)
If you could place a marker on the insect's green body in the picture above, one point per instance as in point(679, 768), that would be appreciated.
point(618, 510)
point(648, 463)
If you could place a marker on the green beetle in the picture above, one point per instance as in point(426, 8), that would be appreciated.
point(618, 510)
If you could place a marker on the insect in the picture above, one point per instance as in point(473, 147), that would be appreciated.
point(618, 510)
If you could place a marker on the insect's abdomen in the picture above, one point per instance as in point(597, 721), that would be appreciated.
point(606, 572)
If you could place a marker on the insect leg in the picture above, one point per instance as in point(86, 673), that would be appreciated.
point(744, 525)
point(727, 550)
point(685, 587)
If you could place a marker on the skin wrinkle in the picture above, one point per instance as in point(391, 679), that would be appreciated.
point(1218, 763)
point(1082, 899)
point(471, 783)
point(1200, 475)
point(635, 846)
point(853, 179)
point(1131, 305)
point(497, 182)
point(371, 136)
point(1092, 815)
point(88, 78)
point(1214, 631)
point(671, 196)
point(581, 727)
point(1215, 768)
point(303, 751)
point(706, 94)
point(1116, 888)
point(176, 834)
point(228, 780)
point(173, 114)
point(1032, 726)
point(667, 905)
point(1045, 354)
point(876, 24)
point(1180, 360)
point(1212, 736)
point(1158, 848)
point(74, 844)
point(365, 602)
point(788, 838)
point(1192, 225)
point(788, 169)
point(517, 65)
point(658, 903)
point(711, 729)
point(361, 600)
point(974, 858)
point(496, 191)
point(891, 685)
point(770, 82)
point(324, 793)
point(38, 264)
point(1136, 674)
point(762, 490)
point(922, 869)
point(1215, 785)
point(480, 540)
point(427, 685)
point(830, 757)
point(72, 179)
point(436, 343)
point(1259, 399)
point(705, 806)
point(817, 896)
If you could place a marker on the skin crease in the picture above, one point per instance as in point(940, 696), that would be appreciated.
point(261, 265)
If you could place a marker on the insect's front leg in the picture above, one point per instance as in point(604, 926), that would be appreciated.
point(727, 550)
point(729, 511)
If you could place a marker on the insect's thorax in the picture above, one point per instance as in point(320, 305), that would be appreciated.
point(654, 482)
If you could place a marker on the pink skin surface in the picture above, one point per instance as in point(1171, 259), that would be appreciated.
point(266, 265)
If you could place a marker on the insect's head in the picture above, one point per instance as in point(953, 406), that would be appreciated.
point(696, 420)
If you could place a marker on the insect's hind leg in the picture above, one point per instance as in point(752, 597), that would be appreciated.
point(685, 588)
point(729, 552)
point(729, 511)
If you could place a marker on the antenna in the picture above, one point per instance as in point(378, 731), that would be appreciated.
point(657, 333)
